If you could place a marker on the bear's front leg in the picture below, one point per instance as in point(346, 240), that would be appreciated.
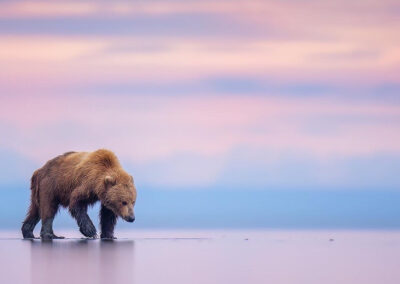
point(86, 227)
point(107, 223)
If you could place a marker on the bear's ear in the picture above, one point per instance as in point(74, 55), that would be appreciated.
point(109, 180)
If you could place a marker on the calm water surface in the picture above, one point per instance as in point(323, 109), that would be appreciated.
point(205, 257)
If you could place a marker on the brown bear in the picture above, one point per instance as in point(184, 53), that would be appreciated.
point(76, 180)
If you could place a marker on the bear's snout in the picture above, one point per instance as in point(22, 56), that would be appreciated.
point(130, 219)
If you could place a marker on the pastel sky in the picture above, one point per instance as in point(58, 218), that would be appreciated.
point(195, 95)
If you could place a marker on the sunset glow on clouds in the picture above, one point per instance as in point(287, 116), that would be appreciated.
point(263, 94)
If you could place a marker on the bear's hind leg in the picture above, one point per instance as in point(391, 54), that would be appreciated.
point(31, 220)
point(47, 215)
point(47, 230)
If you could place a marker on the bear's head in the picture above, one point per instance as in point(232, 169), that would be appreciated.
point(120, 196)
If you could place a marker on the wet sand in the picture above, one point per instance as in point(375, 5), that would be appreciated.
point(205, 257)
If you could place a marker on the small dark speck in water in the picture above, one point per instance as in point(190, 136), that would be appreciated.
point(246, 239)
point(331, 240)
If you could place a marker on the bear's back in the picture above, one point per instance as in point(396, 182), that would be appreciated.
point(74, 168)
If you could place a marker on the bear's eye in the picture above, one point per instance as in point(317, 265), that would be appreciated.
point(124, 203)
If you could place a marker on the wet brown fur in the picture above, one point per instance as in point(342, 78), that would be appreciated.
point(76, 180)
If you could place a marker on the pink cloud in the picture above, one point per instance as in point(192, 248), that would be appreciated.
point(147, 128)
point(77, 61)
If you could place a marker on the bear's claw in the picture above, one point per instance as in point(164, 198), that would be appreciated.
point(28, 236)
point(31, 238)
point(50, 237)
point(58, 237)
point(107, 237)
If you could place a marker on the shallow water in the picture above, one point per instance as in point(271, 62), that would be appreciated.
point(205, 257)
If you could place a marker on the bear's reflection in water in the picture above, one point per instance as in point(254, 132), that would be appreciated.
point(82, 261)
